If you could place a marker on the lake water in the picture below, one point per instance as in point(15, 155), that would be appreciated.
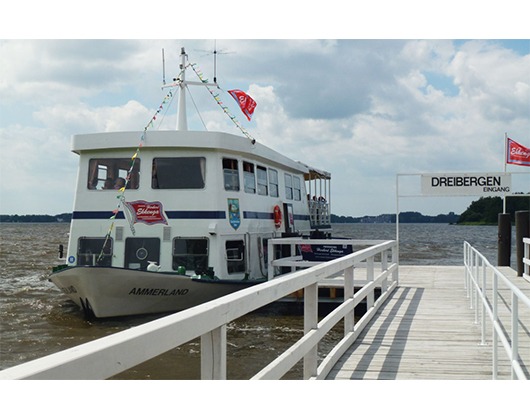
point(37, 320)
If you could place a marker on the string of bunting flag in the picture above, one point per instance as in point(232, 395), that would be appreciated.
point(121, 196)
point(247, 105)
point(225, 109)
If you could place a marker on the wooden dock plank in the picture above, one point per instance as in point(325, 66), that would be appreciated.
point(426, 330)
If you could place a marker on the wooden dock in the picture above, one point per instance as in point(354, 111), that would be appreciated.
point(427, 330)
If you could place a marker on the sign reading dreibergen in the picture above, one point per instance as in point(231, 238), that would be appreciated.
point(466, 184)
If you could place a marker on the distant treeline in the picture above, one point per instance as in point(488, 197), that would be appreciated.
point(36, 218)
point(483, 211)
point(404, 217)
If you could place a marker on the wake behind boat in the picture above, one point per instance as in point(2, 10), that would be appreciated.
point(166, 220)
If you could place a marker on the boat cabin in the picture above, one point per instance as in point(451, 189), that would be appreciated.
point(196, 203)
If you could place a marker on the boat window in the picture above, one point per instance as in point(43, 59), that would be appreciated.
point(94, 252)
point(178, 173)
point(262, 180)
point(139, 252)
point(110, 174)
point(288, 186)
point(235, 256)
point(249, 177)
point(191, 253)
point(231, 174)
point(273, 183)
point(297, 189)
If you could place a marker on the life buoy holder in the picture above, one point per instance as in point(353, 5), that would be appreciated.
point(277, 216)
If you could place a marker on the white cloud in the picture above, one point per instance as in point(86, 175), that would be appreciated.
point(364, 110)
point(85, 118)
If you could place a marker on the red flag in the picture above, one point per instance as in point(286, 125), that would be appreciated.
point(246, 103)
point(517, 154)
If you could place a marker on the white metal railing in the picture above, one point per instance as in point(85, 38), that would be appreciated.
point(526, 259)
point(108, 356)
point(490, 299)
point(295, 260)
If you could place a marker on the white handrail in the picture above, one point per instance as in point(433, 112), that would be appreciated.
point(476, 283)
point(526, 259)
point(108, 356)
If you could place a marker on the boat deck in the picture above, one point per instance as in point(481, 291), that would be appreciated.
point(427, 330)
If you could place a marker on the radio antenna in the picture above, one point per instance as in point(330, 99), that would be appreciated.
point(163, 68)
point(215, 52)
point(215, 61)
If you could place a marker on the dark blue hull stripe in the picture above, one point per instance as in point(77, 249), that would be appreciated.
point(257, 215)
point(269, 216)
point(92, 215)
point(205, 214)
point(196, 214)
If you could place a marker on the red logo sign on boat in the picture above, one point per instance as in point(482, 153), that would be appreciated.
point(147, 212)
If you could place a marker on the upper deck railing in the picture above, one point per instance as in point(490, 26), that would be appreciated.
point(319, 214)
point(108, 356)
point(487, 298)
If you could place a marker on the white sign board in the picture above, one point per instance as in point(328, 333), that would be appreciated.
point(479, 184)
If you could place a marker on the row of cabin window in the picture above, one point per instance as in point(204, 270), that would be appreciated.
point(191, 253)
point(259, 179)
point(189, 173)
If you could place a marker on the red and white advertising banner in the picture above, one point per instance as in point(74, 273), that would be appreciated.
point(479, 184)
point(147, 212)
point(517, 154)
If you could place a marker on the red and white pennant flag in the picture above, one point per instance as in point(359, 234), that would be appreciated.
point(246, 103)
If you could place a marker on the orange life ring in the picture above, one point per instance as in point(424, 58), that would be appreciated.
point(277, 216)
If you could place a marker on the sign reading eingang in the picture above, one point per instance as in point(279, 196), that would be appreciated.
point(481, 184)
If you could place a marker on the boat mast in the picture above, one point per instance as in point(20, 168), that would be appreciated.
point(182, 120)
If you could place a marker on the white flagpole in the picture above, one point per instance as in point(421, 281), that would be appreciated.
point(505, 161)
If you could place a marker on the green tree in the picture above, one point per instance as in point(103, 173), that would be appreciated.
point(486, 209)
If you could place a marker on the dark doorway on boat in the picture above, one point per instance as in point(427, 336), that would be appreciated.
point(140, 251)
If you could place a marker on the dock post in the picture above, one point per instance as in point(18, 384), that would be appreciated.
point(504, 241)
point(522, 230)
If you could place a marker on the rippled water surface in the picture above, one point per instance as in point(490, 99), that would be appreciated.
point(36, 319)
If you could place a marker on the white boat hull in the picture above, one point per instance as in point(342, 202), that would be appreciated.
point(109, 292)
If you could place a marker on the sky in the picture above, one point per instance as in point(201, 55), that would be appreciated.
point(362, 107)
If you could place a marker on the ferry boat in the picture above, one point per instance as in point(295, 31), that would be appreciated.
point(195, 210)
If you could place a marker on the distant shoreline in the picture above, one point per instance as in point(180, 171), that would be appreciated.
point(404, 217)
point(482, 212)
point(36, 218)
